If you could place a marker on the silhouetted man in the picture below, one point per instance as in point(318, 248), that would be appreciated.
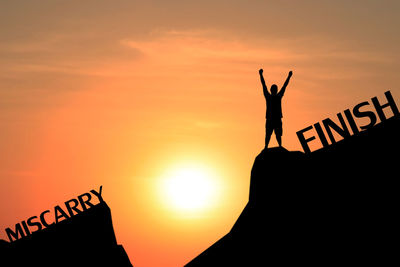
point(274, 109)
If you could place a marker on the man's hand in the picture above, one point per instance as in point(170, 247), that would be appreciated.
point(260, 71)
point(290, 73)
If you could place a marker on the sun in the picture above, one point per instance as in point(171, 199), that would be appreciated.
point(189, 189)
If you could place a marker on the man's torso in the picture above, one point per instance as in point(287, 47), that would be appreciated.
point(274, 107)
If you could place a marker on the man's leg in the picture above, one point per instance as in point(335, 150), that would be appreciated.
point(278, 133)
point(279, 139)
point(268, 133)
point(267, 138)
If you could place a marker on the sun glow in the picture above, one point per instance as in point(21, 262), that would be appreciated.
point(189, 189)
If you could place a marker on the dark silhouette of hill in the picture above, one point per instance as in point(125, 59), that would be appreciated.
point(335, 206)
point(86, 239)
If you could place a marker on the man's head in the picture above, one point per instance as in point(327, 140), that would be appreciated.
point(274, 89)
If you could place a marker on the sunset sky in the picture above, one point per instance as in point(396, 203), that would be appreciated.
point(135, 95)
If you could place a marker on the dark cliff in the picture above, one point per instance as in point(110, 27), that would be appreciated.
point(336, 205)
point(86, 239)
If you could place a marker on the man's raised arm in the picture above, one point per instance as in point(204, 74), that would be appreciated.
point(282, 91)
point(265, 89)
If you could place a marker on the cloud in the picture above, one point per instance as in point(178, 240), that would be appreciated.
point(168, 63)
point(78, 53)
point(200, 45)
point(171, 52)
point(210, 54)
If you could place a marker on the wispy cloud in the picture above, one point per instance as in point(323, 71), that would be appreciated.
point(201, 51)
point(211, 51)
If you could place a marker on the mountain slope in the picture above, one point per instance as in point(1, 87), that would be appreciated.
point(86, 239)
point(336, 205)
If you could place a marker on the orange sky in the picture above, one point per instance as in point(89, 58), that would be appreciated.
point(114, 93)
